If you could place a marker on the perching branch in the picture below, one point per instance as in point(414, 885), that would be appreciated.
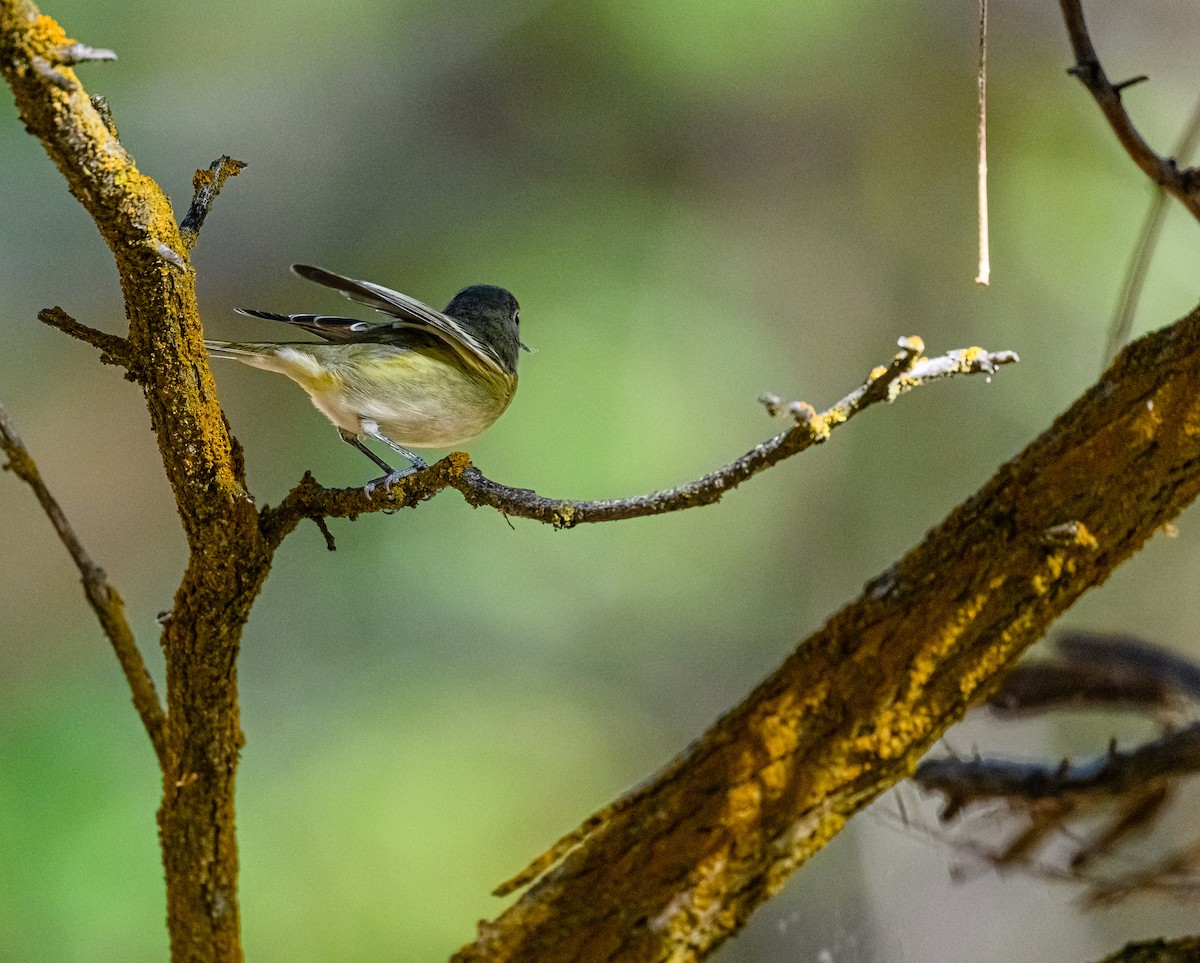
point(101, 596)
point(1183, 184)
point(908, 370)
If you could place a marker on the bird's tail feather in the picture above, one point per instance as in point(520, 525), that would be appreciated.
point(233, 351)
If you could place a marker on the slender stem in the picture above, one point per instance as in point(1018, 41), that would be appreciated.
point(103, 598)
point(909, 370)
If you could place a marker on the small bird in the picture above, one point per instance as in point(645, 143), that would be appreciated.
point(424, 378)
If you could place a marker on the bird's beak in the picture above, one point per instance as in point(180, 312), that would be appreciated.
point(525, 347)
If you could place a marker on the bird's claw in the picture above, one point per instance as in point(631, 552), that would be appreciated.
point(388, 480)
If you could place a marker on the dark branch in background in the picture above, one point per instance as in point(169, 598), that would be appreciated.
point(1183, 950)
point(1116, 773)
point(1098, 671)
point(1094, 806)
point(1183, 184)
point(908, 370)
point(102, 597)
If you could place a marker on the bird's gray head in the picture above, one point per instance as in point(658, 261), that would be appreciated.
point(493, 316)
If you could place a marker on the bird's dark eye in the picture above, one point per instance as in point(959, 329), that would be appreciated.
point(517, 318)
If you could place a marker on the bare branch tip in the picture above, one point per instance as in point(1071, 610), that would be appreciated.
point(78, 53)
point(1124, 85)
point(319, 521)
point(206, 185)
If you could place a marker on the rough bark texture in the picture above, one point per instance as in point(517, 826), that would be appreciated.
point(679, 866)
point(671, 871)
point(166, 356)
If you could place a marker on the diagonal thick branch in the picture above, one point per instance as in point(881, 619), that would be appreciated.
point(101, 596)
point(677, 866)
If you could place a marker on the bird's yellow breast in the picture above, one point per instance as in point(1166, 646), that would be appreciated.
point(427, 398)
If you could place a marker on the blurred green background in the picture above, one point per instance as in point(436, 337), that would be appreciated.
point(694, 203)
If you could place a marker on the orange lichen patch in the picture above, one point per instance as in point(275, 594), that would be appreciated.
point(46, 34)
point(944, 641)
point(696, 909)
point(743, 802)
point(774, 778)
point(1084, 538)
point(972, 354)
point(1144, 422)
point(777, 730)
point(709, 910)
point(1055, 564)
point(1181, 399)
point(803, 838)
point(895, 732)
point(985, 672)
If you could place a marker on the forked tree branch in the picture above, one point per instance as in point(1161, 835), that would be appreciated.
point(1183, 184)
point(227, 564)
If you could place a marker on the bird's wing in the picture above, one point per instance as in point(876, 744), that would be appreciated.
point(406, 312)
point(329, 327)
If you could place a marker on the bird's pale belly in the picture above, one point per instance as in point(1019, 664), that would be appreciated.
point(436, 412)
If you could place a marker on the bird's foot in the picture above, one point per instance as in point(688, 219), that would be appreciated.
point(388, 480)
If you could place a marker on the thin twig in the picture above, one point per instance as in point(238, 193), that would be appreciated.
point(1184, 184)
point(1139, 263)
point(206, 185)
point(78, 53)
point(103, 598)
point(114, 349)
point(884, 384)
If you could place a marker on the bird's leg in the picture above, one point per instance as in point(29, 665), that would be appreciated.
point(417, 461)
point(350, 439)
point(393, 474)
